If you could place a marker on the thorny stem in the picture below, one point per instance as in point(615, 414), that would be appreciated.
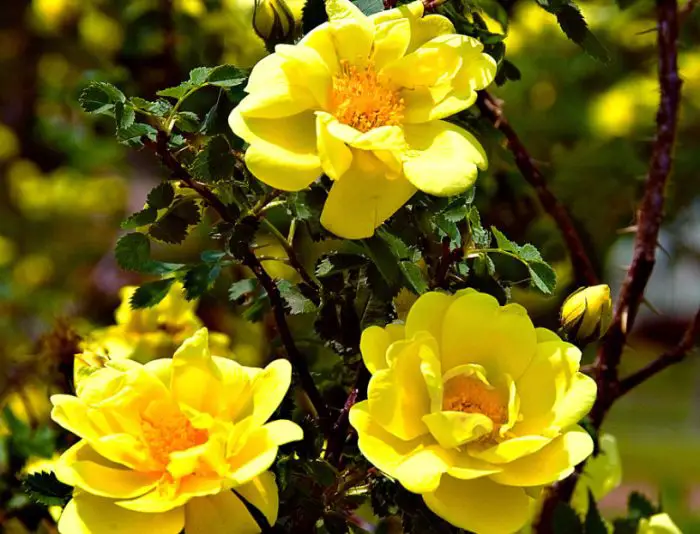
point(649, 218)
point(160, 147)
point(585, 273)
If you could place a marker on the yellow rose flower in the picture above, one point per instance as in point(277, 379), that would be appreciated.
point(164, 444)
point(146, 334)
point(473, 407)
point(360, 99)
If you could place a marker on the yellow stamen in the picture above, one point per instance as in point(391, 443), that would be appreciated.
point(364, 100)
point(172, 433)
point(470, 395)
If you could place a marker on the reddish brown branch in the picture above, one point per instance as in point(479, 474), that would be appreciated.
point(649, 219)
point(675, 355)
point(583, 269)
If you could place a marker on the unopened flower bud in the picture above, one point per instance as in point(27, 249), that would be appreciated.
point(587, 313)
point(274, 22)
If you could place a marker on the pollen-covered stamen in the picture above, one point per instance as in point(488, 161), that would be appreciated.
point(361, 98)
point(169, 434)
point(470, 395)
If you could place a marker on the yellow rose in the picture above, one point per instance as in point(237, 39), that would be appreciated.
point(473, 407)
point(146, 334)
point(360, 99)
point(587, 313)
point(164, 444)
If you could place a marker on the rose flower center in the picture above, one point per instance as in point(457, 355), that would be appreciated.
point(470, 395)
point(362, 99)
point(170, 434)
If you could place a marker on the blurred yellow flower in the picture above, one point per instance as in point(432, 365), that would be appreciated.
point(146, 334)
point(9, 146)
point(473, 407)
point(618, 111)
point(7, 251)
point(29, 404)
point(163, 444)
point(602, 474)
point(658, 524)
point(101, 32)
point(360, 99)
point(586, 314)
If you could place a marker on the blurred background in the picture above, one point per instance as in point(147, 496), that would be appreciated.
point(65, 185)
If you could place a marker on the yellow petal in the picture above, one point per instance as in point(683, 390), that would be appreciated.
point(452, 429)
point(421, 471)
point(509, 449)
point(465, 467)
point(577, 401)
point(480, 505)
point(282, 152)
point(283, 431)
point(443, 159)
point(391, 40)
point(551, 463)
point(544, 384)
point(81, 466)
point(658, 524)
point(223, 513)
point(352, 31)
point(432, 64)
point(381, 448)
point(275, 91)
point(196, 380)
point(87, 514)
point(262, 493)
point(269, 388)
point(374, 343)
point(321, 40)
point(398, 396)
point(477, 330)
point(423, 28)
point(381, 138)
point(427, 314)
point(306, 67)
point(364, 198)
point(335, 156)
point(172, 496)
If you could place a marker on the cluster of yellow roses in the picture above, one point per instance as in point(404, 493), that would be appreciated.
point(469, 405)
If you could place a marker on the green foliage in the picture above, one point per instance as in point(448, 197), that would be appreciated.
point(44, 488)
point(214, 162)
point(133, 253)
point(150, 293)
point(173, 226)
point(294, 299)
point(240, 288)
point(24, 441)
point(594, 523)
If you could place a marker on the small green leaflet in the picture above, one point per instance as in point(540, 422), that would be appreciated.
point(150, 294)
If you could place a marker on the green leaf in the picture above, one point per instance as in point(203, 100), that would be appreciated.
point(173, 226)
point(565, 520)
point(313, 14)
point(507, 71)
point(226, 76)
point(336, 263)
point(133, 252)
point(594, 523)
point(542, 276)
point(502, 241)
point(161, 196)
point(638, 506)
point(159, 108)
point(199, 279)
point(240, 288)
point(187, 121)
point(414, 277)
point(382, 257)
point(214, 162)
point(124, 115)
point(212, 256)
point(369, 7)
point(296, 302)
point(199, 75)
point(573, 24)
point(150, 294)
point(479, 235)
point(140, 218)
point(178, 91)
point(132, 135)
point(46, 489)
point(100, 97)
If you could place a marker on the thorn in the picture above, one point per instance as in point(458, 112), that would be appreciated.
point(649, 305)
